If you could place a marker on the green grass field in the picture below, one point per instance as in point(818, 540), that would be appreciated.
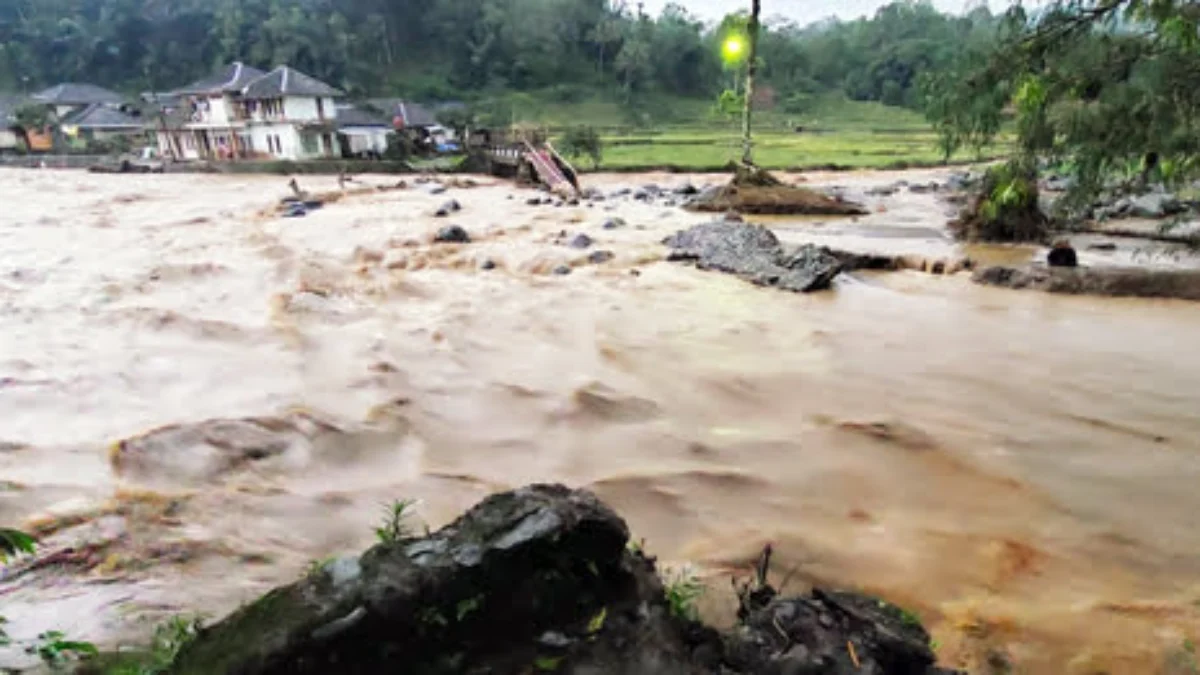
point(686, 135)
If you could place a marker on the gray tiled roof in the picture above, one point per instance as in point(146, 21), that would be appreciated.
point(99, 116)
point(233, 77)
point(412, 114)
point(77, 94)
point(287, 81)
point(355, 116)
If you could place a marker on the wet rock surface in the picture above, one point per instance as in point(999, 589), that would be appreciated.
point(753, 253)
point(1106, 281)
point(537, 580)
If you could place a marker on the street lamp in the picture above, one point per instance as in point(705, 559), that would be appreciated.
point(733, 49)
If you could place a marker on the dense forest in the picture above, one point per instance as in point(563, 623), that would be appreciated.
point(441, 49)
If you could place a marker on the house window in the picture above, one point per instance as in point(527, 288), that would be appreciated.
point(321, 108)
point(310, 143)
point(273, 108)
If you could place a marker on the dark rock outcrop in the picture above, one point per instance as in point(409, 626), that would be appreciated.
point(537, 580)
point(830, 632)
point(753, 253)
point(1106, 281)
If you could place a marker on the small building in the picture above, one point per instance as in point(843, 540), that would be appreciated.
point(243, 112)
point(362, 132)
point(405, 114)
point(66, 98)
point(99, 122)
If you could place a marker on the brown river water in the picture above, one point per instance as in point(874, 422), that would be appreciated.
point(1019, 469)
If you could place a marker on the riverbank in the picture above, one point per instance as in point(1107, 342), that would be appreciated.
point(950, 447)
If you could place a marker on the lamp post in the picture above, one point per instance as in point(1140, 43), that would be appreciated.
point(738, 48)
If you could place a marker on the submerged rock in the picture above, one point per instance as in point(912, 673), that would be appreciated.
point(613, 223)
point(1106, 281)
point(452, 234)
point(580, 240)
point(753, 253)
point(537, 580)
point(600, 257)
point(449, 207)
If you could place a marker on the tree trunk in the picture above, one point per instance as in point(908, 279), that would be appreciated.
point(751, 68)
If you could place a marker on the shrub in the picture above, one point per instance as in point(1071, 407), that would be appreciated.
point(583, 141)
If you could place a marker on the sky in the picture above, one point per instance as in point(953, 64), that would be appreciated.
point(805, 11)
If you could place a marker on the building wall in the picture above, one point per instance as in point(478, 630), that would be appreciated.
point(304, 108)
point(219, 110)
point(366, 139)
point(275, 140)
point(8, 139)
point(185, 147)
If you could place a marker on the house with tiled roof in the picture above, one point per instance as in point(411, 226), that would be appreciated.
point(242, 112)
point(68, 97)
point(98, 122)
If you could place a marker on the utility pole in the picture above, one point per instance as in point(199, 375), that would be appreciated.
point(751, 68)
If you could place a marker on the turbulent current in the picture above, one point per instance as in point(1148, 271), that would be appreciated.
point(198, 398)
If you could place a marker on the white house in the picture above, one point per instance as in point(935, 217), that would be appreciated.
point(242, 112)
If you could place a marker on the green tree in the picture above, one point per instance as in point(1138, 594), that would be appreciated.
point(1102, 88)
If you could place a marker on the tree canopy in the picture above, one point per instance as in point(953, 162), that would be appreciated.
point(445, 48)
point(1104, 89)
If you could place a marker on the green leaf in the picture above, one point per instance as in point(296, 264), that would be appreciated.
point(597, 623)
point(14, 543)
point(547, 663)
point(82, 648)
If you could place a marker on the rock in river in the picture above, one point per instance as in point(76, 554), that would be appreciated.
point(753, 253)
point(1062, 255)
point(449, 207)
point(452, 234)
point(537, 580)
point(580, 240)
point(1106, 281)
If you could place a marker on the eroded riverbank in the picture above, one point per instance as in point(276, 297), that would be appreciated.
point(1018, 468)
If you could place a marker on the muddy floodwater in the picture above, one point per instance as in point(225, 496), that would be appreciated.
point(198, 398)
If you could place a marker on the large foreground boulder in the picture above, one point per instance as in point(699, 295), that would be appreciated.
point(753, 253)
point(1105, 281)
point(536, 580)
